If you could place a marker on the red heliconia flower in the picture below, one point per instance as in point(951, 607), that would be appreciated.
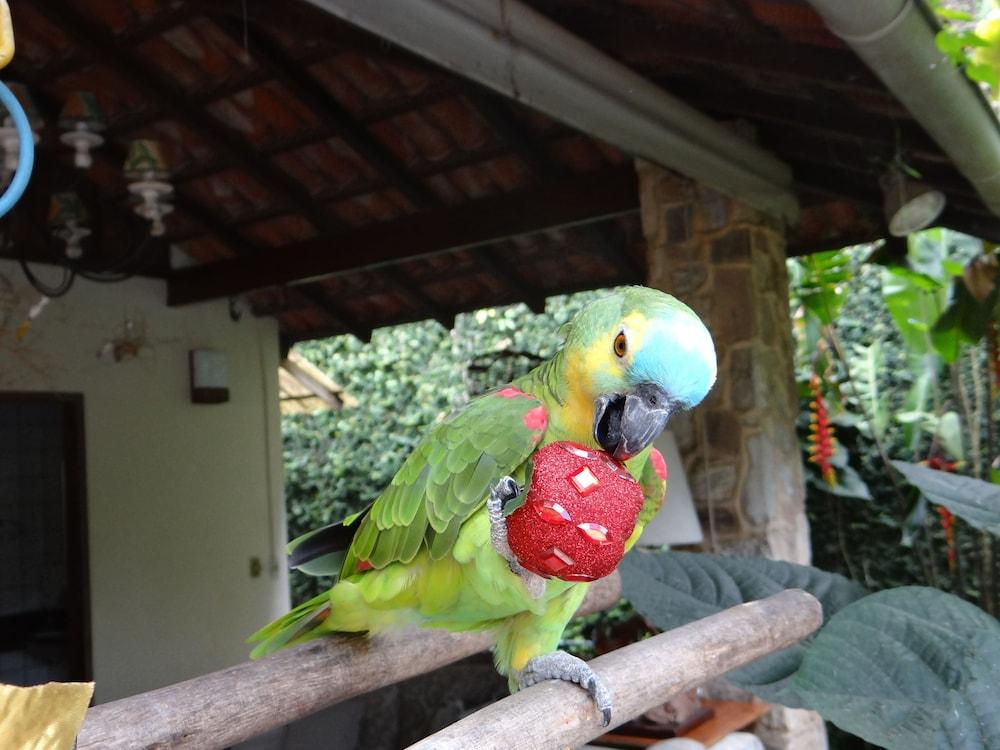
point(947, 518)
point(822, 443)
point(948, 526)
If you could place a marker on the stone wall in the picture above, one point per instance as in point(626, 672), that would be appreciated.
point(741, 454)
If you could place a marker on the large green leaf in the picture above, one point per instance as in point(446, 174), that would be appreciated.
point(907, 668)
point(916, 301)
point(821, 281)
point(671, 589)
point(973, 711)
point(966, 316)
point(975, 501)
point(867, 367)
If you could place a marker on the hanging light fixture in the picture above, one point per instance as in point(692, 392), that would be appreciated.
point(82, 121)
point(9, 140)
point(147, 174)
point(910, 205)
point(67, 217)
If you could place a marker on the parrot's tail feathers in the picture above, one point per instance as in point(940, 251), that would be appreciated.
point(321, 552)
point(301, 624)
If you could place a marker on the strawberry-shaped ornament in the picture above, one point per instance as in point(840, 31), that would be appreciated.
point(580, 510)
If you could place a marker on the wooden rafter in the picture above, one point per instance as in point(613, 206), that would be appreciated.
point(146, 77)
point(577, 200)
point(290, 74)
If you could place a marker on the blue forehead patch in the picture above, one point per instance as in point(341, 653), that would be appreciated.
point(678, 355)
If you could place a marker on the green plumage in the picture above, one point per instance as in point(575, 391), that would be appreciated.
point(422, 554)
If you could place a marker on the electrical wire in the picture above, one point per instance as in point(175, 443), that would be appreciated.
point(58, 290)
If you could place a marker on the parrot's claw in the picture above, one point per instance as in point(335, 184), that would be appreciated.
point(505, 490)
point(559, 665)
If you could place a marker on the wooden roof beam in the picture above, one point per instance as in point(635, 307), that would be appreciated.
point(574, 201)
point(290, 74)
point(142, 74)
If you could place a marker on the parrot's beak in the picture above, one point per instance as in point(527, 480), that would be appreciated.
point(624, 424)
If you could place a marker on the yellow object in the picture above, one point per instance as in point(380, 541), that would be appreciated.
point(989, 31)
point(46, 717)
point(6, 35)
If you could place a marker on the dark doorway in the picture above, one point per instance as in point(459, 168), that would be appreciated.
point(44, 619)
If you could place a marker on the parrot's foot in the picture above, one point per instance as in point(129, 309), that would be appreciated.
point(559, 665)
point(505, 490)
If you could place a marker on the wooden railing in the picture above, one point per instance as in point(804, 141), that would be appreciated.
point(235, 704)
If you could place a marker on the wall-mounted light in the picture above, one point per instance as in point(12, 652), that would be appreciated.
point(82, 122)
point(147, 174)
point(208, 376)
point(909, 205)
point(677, 520)
point(8, 133)
point(67, 219)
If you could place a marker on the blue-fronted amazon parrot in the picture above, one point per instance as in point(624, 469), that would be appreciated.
point(432, 549)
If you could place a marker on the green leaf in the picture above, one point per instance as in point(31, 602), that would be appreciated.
point(973, 500)
point(949, 432)
point(972, 39)
point(821, 282)
point(850, 485)
point(917, 398)
point(982, 73)
point(966, 316)
point(953, 267)
point(973, 715)
point(866, 367)
point(914, 521)
point(950, 45)
point(906, 665)
point(953, 15)
point(914, 308)
point(671, 589)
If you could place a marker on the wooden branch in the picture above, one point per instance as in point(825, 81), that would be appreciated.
point(640, 676)
point(225, 707)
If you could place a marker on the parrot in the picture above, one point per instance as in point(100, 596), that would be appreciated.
point(431, 550)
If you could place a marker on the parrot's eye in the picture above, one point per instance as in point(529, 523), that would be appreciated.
point(621, 344)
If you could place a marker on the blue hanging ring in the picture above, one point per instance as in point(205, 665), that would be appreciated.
point(26, 150)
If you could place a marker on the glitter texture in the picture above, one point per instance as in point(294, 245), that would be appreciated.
point(580, 509)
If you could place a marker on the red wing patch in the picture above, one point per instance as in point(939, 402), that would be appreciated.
point(659, 465)
point(511, 392)
point(364, 565)
point(536, 419)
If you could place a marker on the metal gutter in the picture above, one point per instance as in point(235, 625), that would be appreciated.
point(896, 39)
point(509, 47)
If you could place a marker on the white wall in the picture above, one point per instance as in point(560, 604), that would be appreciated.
point(180, 496)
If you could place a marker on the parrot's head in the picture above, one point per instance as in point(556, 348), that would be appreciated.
point(637, 357)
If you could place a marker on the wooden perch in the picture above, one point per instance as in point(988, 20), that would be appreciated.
point(225, 707)
point(557, 715)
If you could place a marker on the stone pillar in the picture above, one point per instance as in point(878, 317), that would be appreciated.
point(741, 453)
point(740, 450)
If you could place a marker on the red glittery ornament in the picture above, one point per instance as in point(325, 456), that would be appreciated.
point(580, 510)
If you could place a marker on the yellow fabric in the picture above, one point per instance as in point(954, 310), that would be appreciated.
point(45, 717)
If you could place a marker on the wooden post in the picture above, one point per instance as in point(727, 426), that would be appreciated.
point(555, 715)
point(225, 707)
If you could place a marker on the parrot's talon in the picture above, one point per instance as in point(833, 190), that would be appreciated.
point(559, 665)
point(505, 490)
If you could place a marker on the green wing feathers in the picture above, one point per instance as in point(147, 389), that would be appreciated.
point(446, 479)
